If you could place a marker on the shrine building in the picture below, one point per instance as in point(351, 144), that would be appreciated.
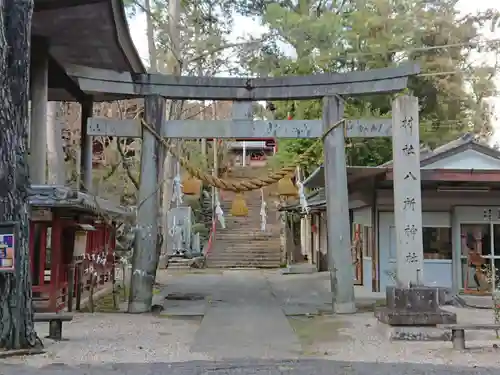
point(461, 219)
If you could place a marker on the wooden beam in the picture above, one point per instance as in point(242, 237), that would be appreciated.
point(195, 129)
point(101, 126)
point(43, 5)
point(369, 128)
point(386, 80)
point(57, 72)
point(455, 175)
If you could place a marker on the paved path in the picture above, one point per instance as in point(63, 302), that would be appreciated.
point(244, 320)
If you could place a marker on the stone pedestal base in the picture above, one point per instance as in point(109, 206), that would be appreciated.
point(413, 313)
point(399, 317)
point(412, 333)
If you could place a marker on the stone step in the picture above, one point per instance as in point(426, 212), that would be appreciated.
point(244, 259)
point(245, 240)
point(243, 264)
point(236, 248)
point(243, 234)
point(242, 244)
point(247, 250)
point(250, 231)
point(250, 227)
point(242, 255)
point(246, 247)
point(248, 242)
point(255, 217)
point(252, 216)
point(240, 252)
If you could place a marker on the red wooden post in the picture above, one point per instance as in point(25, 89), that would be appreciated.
point(43, 254)
point(32, 250)
point(55, 263)
point(101, 232)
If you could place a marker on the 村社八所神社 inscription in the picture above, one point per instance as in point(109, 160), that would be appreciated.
point(409, 150)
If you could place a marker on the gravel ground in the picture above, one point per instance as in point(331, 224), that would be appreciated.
point(117, 338)
point(361, 338)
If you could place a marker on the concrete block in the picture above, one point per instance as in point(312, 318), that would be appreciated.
point(416, 299)
point(417, 306)
point(407, 317)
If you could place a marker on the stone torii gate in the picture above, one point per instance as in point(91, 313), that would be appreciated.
point(330, 87)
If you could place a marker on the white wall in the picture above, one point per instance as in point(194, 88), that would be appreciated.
point(363, 216)
point(468, 159)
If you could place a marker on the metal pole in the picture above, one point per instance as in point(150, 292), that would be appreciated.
point(339, 243)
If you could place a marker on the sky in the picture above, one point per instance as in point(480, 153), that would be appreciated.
point(137, 27)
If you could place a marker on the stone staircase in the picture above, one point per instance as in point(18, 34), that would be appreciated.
point(242, 244)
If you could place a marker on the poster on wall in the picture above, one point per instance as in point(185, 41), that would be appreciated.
point(8, 250)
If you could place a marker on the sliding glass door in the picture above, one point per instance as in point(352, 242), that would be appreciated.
point(480, 246)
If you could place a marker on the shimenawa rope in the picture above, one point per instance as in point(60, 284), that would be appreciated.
point(244, 185)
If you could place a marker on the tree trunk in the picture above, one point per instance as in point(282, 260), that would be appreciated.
point(153, 55)
point(55, 158)
point(16, 308)
point(173, 110)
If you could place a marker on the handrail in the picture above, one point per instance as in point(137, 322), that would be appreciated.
point(211, 237)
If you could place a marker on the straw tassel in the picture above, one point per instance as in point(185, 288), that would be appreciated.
point(239, 206)
point(191, 186)
point(286, 188)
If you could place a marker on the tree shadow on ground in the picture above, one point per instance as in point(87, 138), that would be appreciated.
point(249, 367)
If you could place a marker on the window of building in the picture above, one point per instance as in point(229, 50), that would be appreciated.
point(357, 241)
point(437, 243)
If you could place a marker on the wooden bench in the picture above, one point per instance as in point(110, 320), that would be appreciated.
point(55, 321)
point(458, 332)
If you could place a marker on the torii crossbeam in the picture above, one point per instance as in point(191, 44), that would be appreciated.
point(376, 81)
